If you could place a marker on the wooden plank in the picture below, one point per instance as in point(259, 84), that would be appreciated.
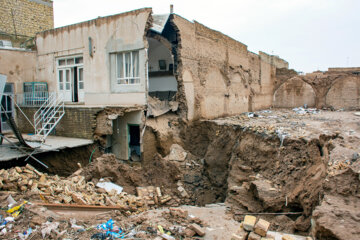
point(77, 207)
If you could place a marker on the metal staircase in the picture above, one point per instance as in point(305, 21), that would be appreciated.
point(49, 115)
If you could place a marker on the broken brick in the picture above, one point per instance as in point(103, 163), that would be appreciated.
point(254, 236)
point(261, 227)
point(249, 222)
point(240, 234)
point(189, 232)
point(287, 237)
point(199, 230)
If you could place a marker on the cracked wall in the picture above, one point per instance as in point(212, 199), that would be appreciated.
point(218, 76)
point(337, 88)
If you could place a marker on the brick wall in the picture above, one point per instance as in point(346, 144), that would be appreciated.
point(77, 122)
point(30, 16)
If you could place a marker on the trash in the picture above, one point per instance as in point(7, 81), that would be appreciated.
point(17, 210)
point(302, 110)
point(9, 219)
point(167, 237)
point(110, 230)
point(11, 201)
point(109, 186)
point(75, 226)
point(48, 227)
point(161, 229)
point(25, 234)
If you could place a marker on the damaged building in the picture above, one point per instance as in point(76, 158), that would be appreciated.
point(209, 120)
point(117, 80)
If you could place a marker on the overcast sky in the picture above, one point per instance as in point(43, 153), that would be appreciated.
point(310, 34)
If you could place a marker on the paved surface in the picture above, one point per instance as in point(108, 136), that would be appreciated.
point(52, 143)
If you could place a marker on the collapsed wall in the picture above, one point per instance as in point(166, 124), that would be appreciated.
point(337, 88)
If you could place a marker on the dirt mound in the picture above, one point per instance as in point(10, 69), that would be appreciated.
point(159, 172)
point(338, 216)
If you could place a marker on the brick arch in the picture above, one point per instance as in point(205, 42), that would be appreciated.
point(344, 93)
point(294, 93)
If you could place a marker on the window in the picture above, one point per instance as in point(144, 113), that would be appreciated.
point(127, 68)
point(35, 93)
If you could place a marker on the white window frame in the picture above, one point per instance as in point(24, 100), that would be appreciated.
point(126, 80)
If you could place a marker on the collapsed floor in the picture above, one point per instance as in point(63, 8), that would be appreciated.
point(297, 169)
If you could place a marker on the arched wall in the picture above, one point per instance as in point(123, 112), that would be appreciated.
point(294, 93)
point(344, 93)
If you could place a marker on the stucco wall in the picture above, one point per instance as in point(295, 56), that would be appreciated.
point(218, 75)
point(120, 133)
point(26, 17)
point(112, 34)
point(19, 66)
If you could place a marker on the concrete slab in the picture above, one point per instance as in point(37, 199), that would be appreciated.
point(52, 143)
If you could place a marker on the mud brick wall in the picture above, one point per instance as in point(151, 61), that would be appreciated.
point(218, 76)
point(29, 16)
point(338, 88)
point(77, 122)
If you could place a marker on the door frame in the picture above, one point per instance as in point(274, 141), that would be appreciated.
point(128, 137)
point(69, 95)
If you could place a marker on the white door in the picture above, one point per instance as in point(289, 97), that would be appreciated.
point(64, 84)
point(80, 75)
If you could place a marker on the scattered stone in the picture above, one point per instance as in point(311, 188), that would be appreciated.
point(240, 234)
point(287, 237)
point(249, 222)
point(189, 232)
point(261, 227)
point(199, 230)
point(254, 236)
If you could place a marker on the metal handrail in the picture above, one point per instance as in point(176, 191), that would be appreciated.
point(46, 113)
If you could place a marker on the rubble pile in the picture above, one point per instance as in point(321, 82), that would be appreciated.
point(253, 229)
point(71, 190)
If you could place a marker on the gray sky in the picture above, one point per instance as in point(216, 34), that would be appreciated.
point(310, 34)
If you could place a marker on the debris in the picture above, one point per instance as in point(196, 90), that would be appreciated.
point(196, 228)
point(177, 153)
point(261, 227)
point(109, 186)
point(25, 234)
point(10, 201)
point(287, 237)
point(254, 236)
point(249, 222)
point(74, 225)
point(48, 227)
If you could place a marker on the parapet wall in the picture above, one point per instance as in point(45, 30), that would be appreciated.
point(338, 88)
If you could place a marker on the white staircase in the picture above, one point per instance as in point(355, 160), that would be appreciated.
point(49, 115)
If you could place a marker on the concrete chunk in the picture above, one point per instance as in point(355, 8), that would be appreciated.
point(261, 227)
point(199, 230)
point(254, 236)
point(249, 222)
